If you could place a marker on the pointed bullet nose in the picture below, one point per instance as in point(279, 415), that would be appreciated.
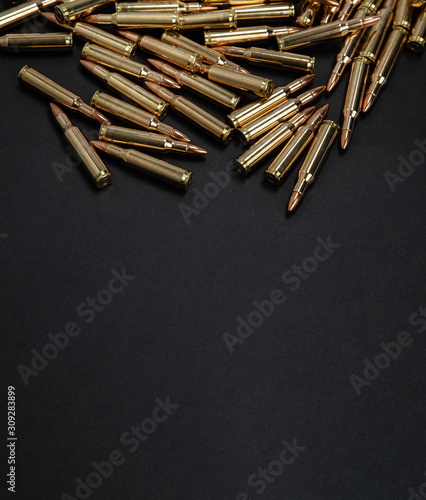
point(156, 63)
point(370, 20)
point(56, 110)
point(155, 87)
point(122, 33)
point(332, 81)
point(99, 117)
point(91, 19)
point(89, 65)
point(305, 80)
point(222, 50)
point(368, 102)
point(49, 16)
point(308, 112)
point(99, 145)
point(345, 138)
point(294, 200)
point(196, 150)
point(180, 136)
point(168, 82)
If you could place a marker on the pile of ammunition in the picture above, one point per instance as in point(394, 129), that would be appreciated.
point(278, 118)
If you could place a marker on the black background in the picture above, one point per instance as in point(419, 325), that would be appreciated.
point(163, 335)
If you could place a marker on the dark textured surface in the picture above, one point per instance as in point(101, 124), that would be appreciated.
point(162, 336)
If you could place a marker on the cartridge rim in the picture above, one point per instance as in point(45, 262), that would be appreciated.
point(130, 51)
point(267, 88)
point(232, 18)
point(103, 179)
point(416, 44)
point(187, 178)
point(102, 132)
point(95, 97)
point(162, 110)
point(330, 124)
point(241, 167)
point(311, 65)
point(271, 177)
point(23, 70)
point(234, 103)
point(85, 49)
point(207, 38)
point(226, 134)
point(61, 13)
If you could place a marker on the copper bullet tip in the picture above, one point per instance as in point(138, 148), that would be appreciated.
point(49, 16)
point(317, 91)
point(99, 117)
point(99, 145)
point(56, 110)
point(133, 37)
point(332, 81)
point(196, 150)
point(305, 80)
point(168, 82)
point(89, 65)
point(370, 20)
point(345, 138)
point(207, 8)
point(91, 19)
point(222, 50)
point(155, 87)
point(294, 200)
point(323, 110)
point(308, 112)
point(368, 102)
point(156, 63)
point(180, 136)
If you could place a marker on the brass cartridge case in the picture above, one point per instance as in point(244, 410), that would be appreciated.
point(307, 14)
point(138, 20)
point(417, 41)
point(36, 41)
point(250, 34)
point(100, 55)
point(287, 60)
point(206, 20)
point(324, 32)
point(55, 92)
point(354, 95)
point(377, 33)
point(254, 110)
point(259, 85)
point(316, 157)
point(279, 114)
point(208, 55)
point(101, 37)
point(238, 2)
point(183, 58)
point(260, 11)
point(282, 164)
point(347, 9)
point(141, 162)
point(387, 60)
point(403, 14)
point(351, 42)
point(159, 5)
point(134, 92)
point(123, 110)
point(198, 84)
point(93, 165)
point(217, 128)
point(329, 13)
point(69, 11)
point(140, 138)
point(246, 162)
point(19, 13)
